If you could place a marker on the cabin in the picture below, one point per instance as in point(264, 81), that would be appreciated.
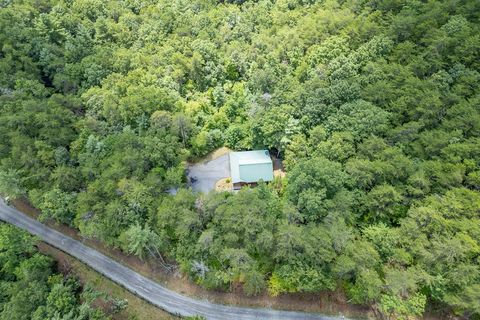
point(249, 167)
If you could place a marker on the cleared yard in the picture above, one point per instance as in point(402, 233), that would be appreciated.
point(203, 176)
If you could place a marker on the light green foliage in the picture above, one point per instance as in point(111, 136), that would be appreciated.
point(367, 288)
point(357, 256)
point(360, 118)
point(399, 308)
point(313, 184)
point(139, 241)
point(10, 184)
point(384, 203)
point(57, 205)
point(205, 142)
point(239, 235)
point(179, 225)
point(12, 245)
point(384, 239)
point(339, 147)
point(302, 278)
point(274, 127)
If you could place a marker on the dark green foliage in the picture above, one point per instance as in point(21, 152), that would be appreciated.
point(31, 289)
point(372, 105)
point(313, 185)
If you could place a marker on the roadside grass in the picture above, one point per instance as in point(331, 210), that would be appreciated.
point(329, 303)
point(137, 308)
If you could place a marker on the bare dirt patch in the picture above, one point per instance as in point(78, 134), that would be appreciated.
point(224, 184)
point(212, 155)
point(278, 170)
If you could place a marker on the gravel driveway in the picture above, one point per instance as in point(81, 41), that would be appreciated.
point(203, 176)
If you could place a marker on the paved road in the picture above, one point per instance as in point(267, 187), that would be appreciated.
point(145, 288)
point(208, 173)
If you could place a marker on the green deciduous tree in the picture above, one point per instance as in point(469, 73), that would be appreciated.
point(313, 184)
point(57, 205)
point(142, 242)
point(11, 184)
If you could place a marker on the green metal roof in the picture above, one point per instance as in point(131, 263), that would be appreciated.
point(251, 166)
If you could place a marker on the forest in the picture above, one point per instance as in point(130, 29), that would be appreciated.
point(373, 106)
point(31, 288)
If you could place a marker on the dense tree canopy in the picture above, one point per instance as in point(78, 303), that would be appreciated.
point(373, 107)
point(30, 287)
